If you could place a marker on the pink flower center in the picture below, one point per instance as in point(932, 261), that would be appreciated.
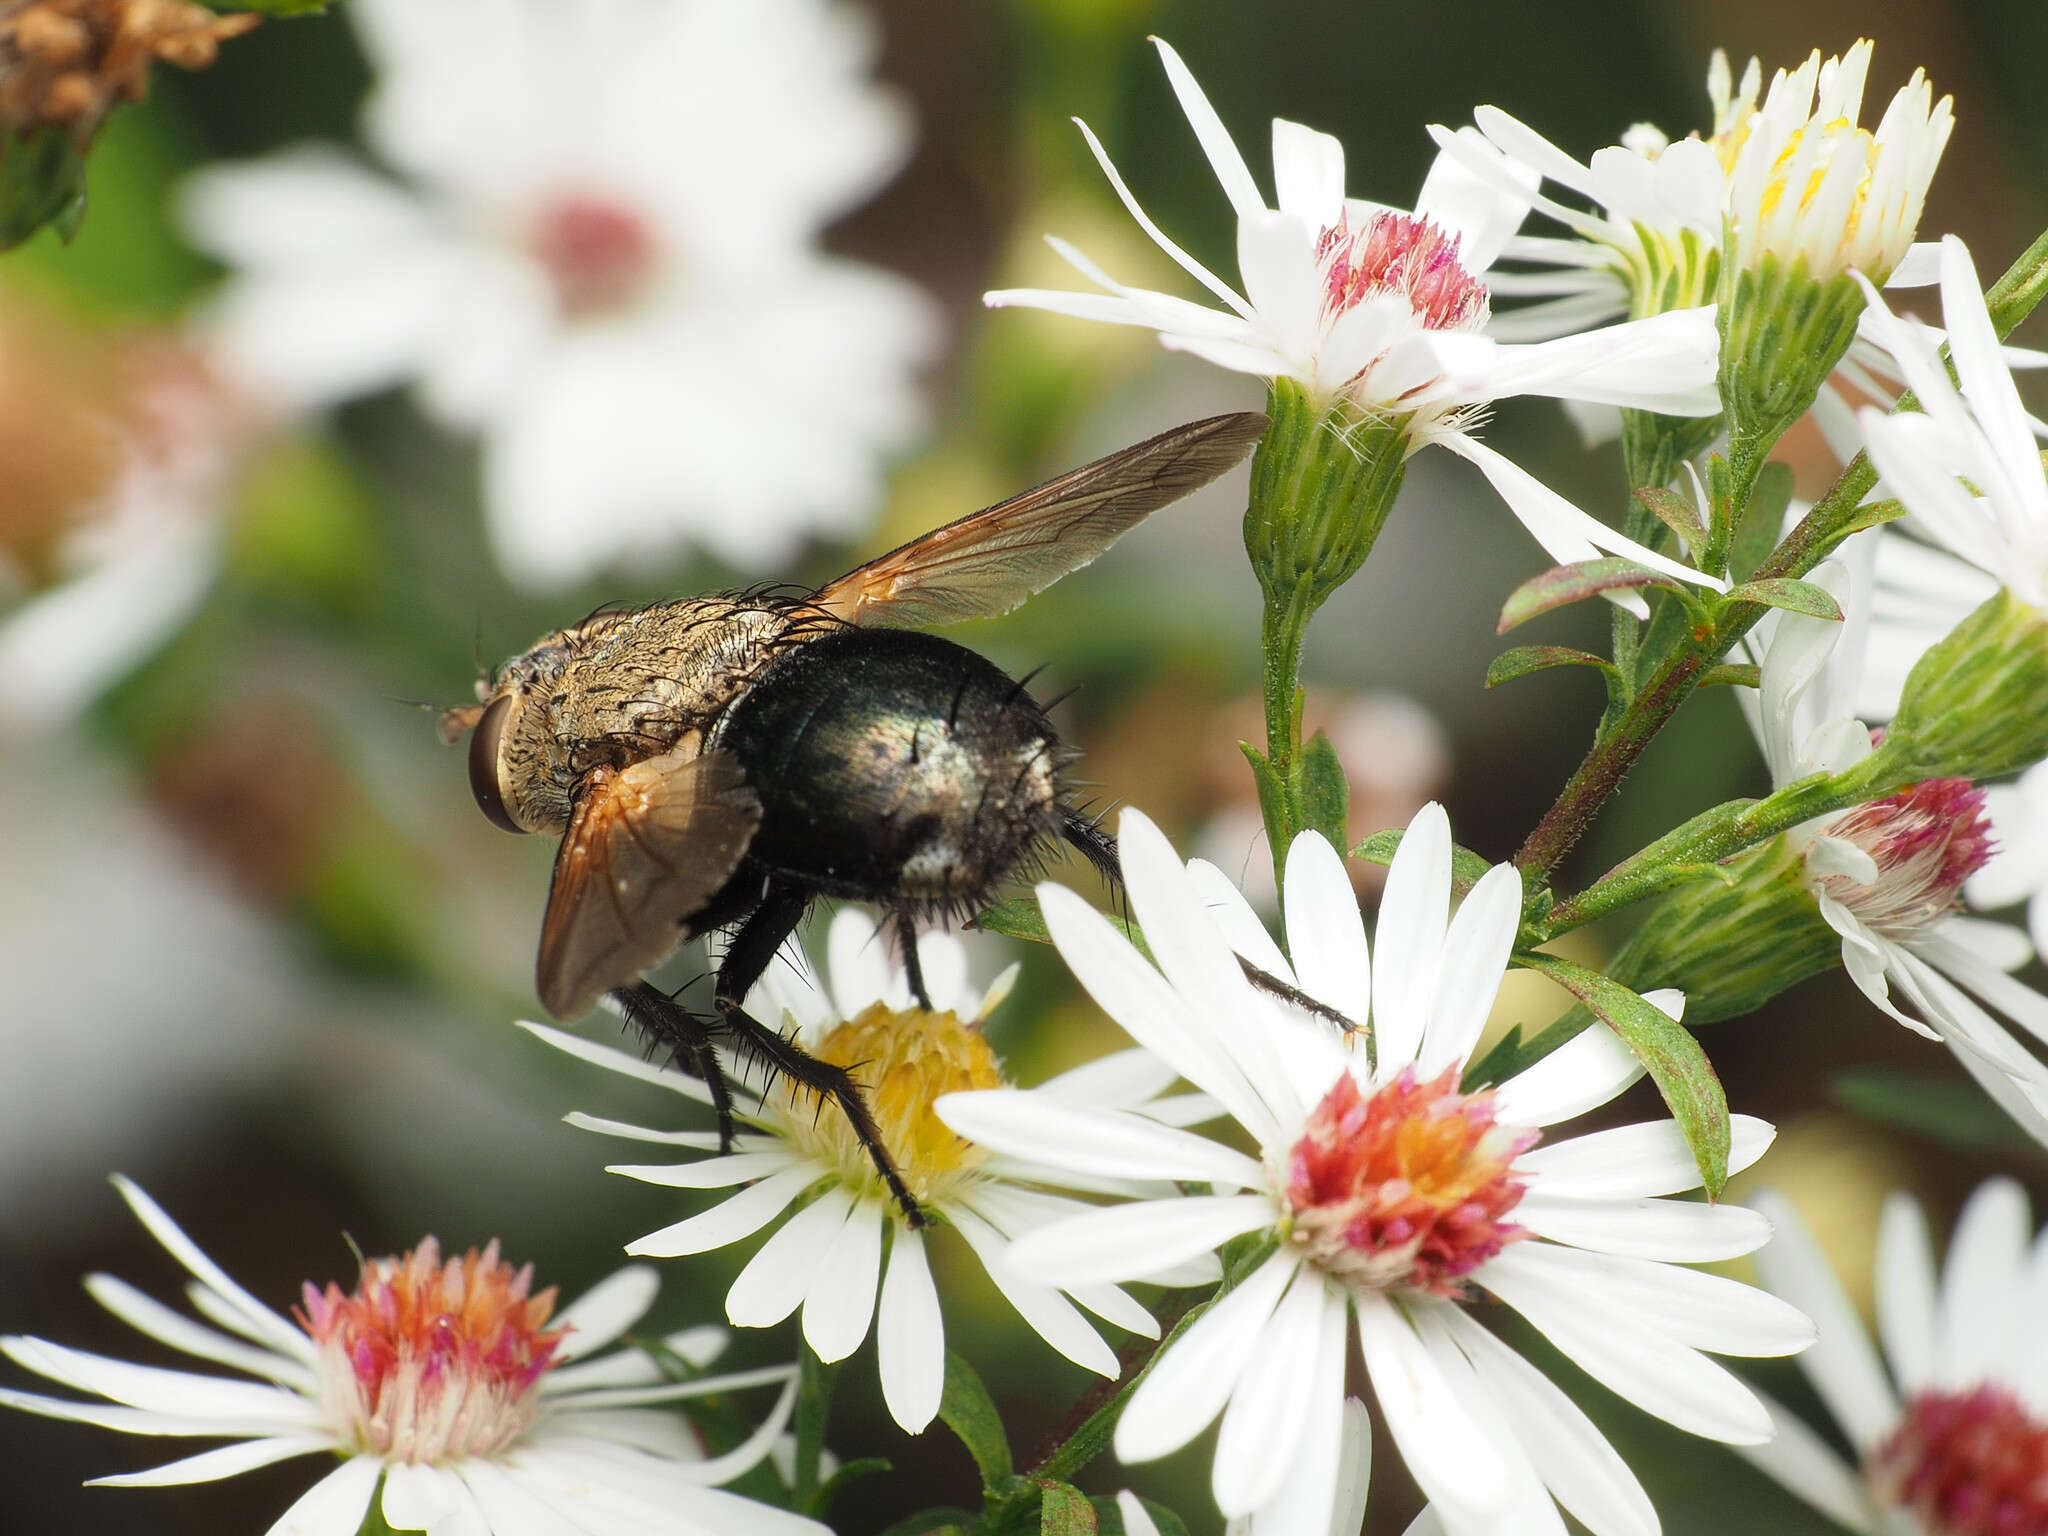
point(1403, 256)
point(1971, 1463)
point(600, 254)
point(424, 1361)
point(1926, 840)
point(1407, 1187)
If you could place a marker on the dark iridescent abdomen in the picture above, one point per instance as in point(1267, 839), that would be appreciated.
point(893, 764)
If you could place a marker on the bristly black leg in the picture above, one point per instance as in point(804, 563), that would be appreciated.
point(913, 967)
point(668, 1024)
point(1095, 845)
point(746, 958)
point(1267, 982)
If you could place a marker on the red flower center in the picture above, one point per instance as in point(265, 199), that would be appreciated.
point(1400, 255)
point(1971, 1463)
point(1407, 1187)
point(425, 1360)
point(1926, 841)
point(600, 254)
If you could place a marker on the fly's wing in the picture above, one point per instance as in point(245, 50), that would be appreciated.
point(647, 847)
point(990, 561)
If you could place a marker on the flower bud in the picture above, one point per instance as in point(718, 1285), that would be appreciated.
point(1976, 704)
point(1783, 330)
point(1324, 478)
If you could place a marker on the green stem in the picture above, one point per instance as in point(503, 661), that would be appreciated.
point(813, 1408)
point(1614, 752)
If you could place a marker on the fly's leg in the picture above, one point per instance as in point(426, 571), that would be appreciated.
point(913, 968)
point(671, 1026)
point(752, 949)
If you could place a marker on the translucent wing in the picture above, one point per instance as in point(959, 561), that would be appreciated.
point(990, 561)
point(647, 847)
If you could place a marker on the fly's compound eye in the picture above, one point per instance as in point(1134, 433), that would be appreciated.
point(486, 777)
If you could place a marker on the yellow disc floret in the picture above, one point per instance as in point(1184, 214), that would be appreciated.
point(904, 1059)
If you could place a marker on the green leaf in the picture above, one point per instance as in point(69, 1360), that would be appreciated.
point(1871, 515)
point(1952, 1111)
point(968, 1411)
point(1791, 595)
point(42, 181)
point(933, 1522)
point(1762, 522)
point(1523, 660)
point(1563, 585)
point(1272, 797)
point(1666, 1049)
point(1466, 866)
point(852, 1472)
point(1677, 513)
point(1325, 792)
point(1109, 1519)
point(1736, 674)
point(1065, 1511)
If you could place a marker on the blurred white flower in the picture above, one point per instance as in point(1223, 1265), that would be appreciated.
point(606, 263)
point(1953, 1439)
point(446, 1382)
point(1889, 876)
point(828, 1258)
point(1382, 311)
point(139, 556)
point(1388, 1194)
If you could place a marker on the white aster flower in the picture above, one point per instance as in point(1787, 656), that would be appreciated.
point(449, 1382)
point(605, 262)
point(1966, 464)
point(141, 558)
point(1381, 312)
point(1392, 1195)
point(1346, 1518)
point(1952, 1440)
point(1888, 876)
point(829, 1257)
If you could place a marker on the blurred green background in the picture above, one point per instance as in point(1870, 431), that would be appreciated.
point(263, 954)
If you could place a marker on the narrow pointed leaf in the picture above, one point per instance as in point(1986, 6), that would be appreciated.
point(1466, 866)
point(968, 1411)
point(1021, 919)
point(1325, 792)
point(1734, 674)
point(1667, 1051)
point(1792, 595)
point(1064, 1510)
point(1677, 513)
point(1522, 660)
point(1763, 522)
point(1563, 585)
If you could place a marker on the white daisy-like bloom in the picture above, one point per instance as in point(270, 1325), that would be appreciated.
point(1949, 1428)
point(481, 1412)
point(829, 1258)
point(140, 559)
point(1393, 1196)
point(1353, 1474)
point(1382, 311)
point(1888, 876)
point(605, 262)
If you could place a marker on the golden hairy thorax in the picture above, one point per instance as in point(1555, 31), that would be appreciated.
point(623, 686)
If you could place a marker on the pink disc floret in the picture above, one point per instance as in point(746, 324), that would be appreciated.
point(599, 253)
point(1407, 1186)
point(1402, 256)
point(1926, 840)
point(1966, 1463)
point(424, 1361)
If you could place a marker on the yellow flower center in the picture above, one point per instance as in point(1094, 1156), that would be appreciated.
point(903, 1059)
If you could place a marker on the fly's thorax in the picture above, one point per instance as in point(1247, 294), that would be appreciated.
point(613, 690)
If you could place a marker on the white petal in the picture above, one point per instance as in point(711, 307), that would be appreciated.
point(1050, 1314)
point(1678, 1231)
point(226, 1461)
point(1905, 1289)
point(1268, 1416)
point(1414, 912)
point(1193, 1377)
point(1843, 1364)
point(1636, 1160)
point(1234, 914)
point(1121, 1080)
point(621, 1062)
point(910, 1337)
point(274, 1330)
point(781, 1272)
point(606, 1310)
point(1811, 1468)
point(420, 1497)
point(1276, 260)
point(1106, 1142)
point(730, 1220)
point(1215, 139)
point(1980, 1284)
point(1125, 1242)
point(152, 1317)
point(1451, 1458)
point(335, 1505)
point(710, 1173)
point(1582, 1074)
point(1308, 173)
point(1475, 959)
point(1325, 931)
point(1705, 1311)
point(842, 1291)
point(163, 1391)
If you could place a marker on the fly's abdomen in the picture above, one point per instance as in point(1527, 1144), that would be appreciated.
point(894, 766)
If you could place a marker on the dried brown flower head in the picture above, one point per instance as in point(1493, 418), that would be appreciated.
point(66, 63)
